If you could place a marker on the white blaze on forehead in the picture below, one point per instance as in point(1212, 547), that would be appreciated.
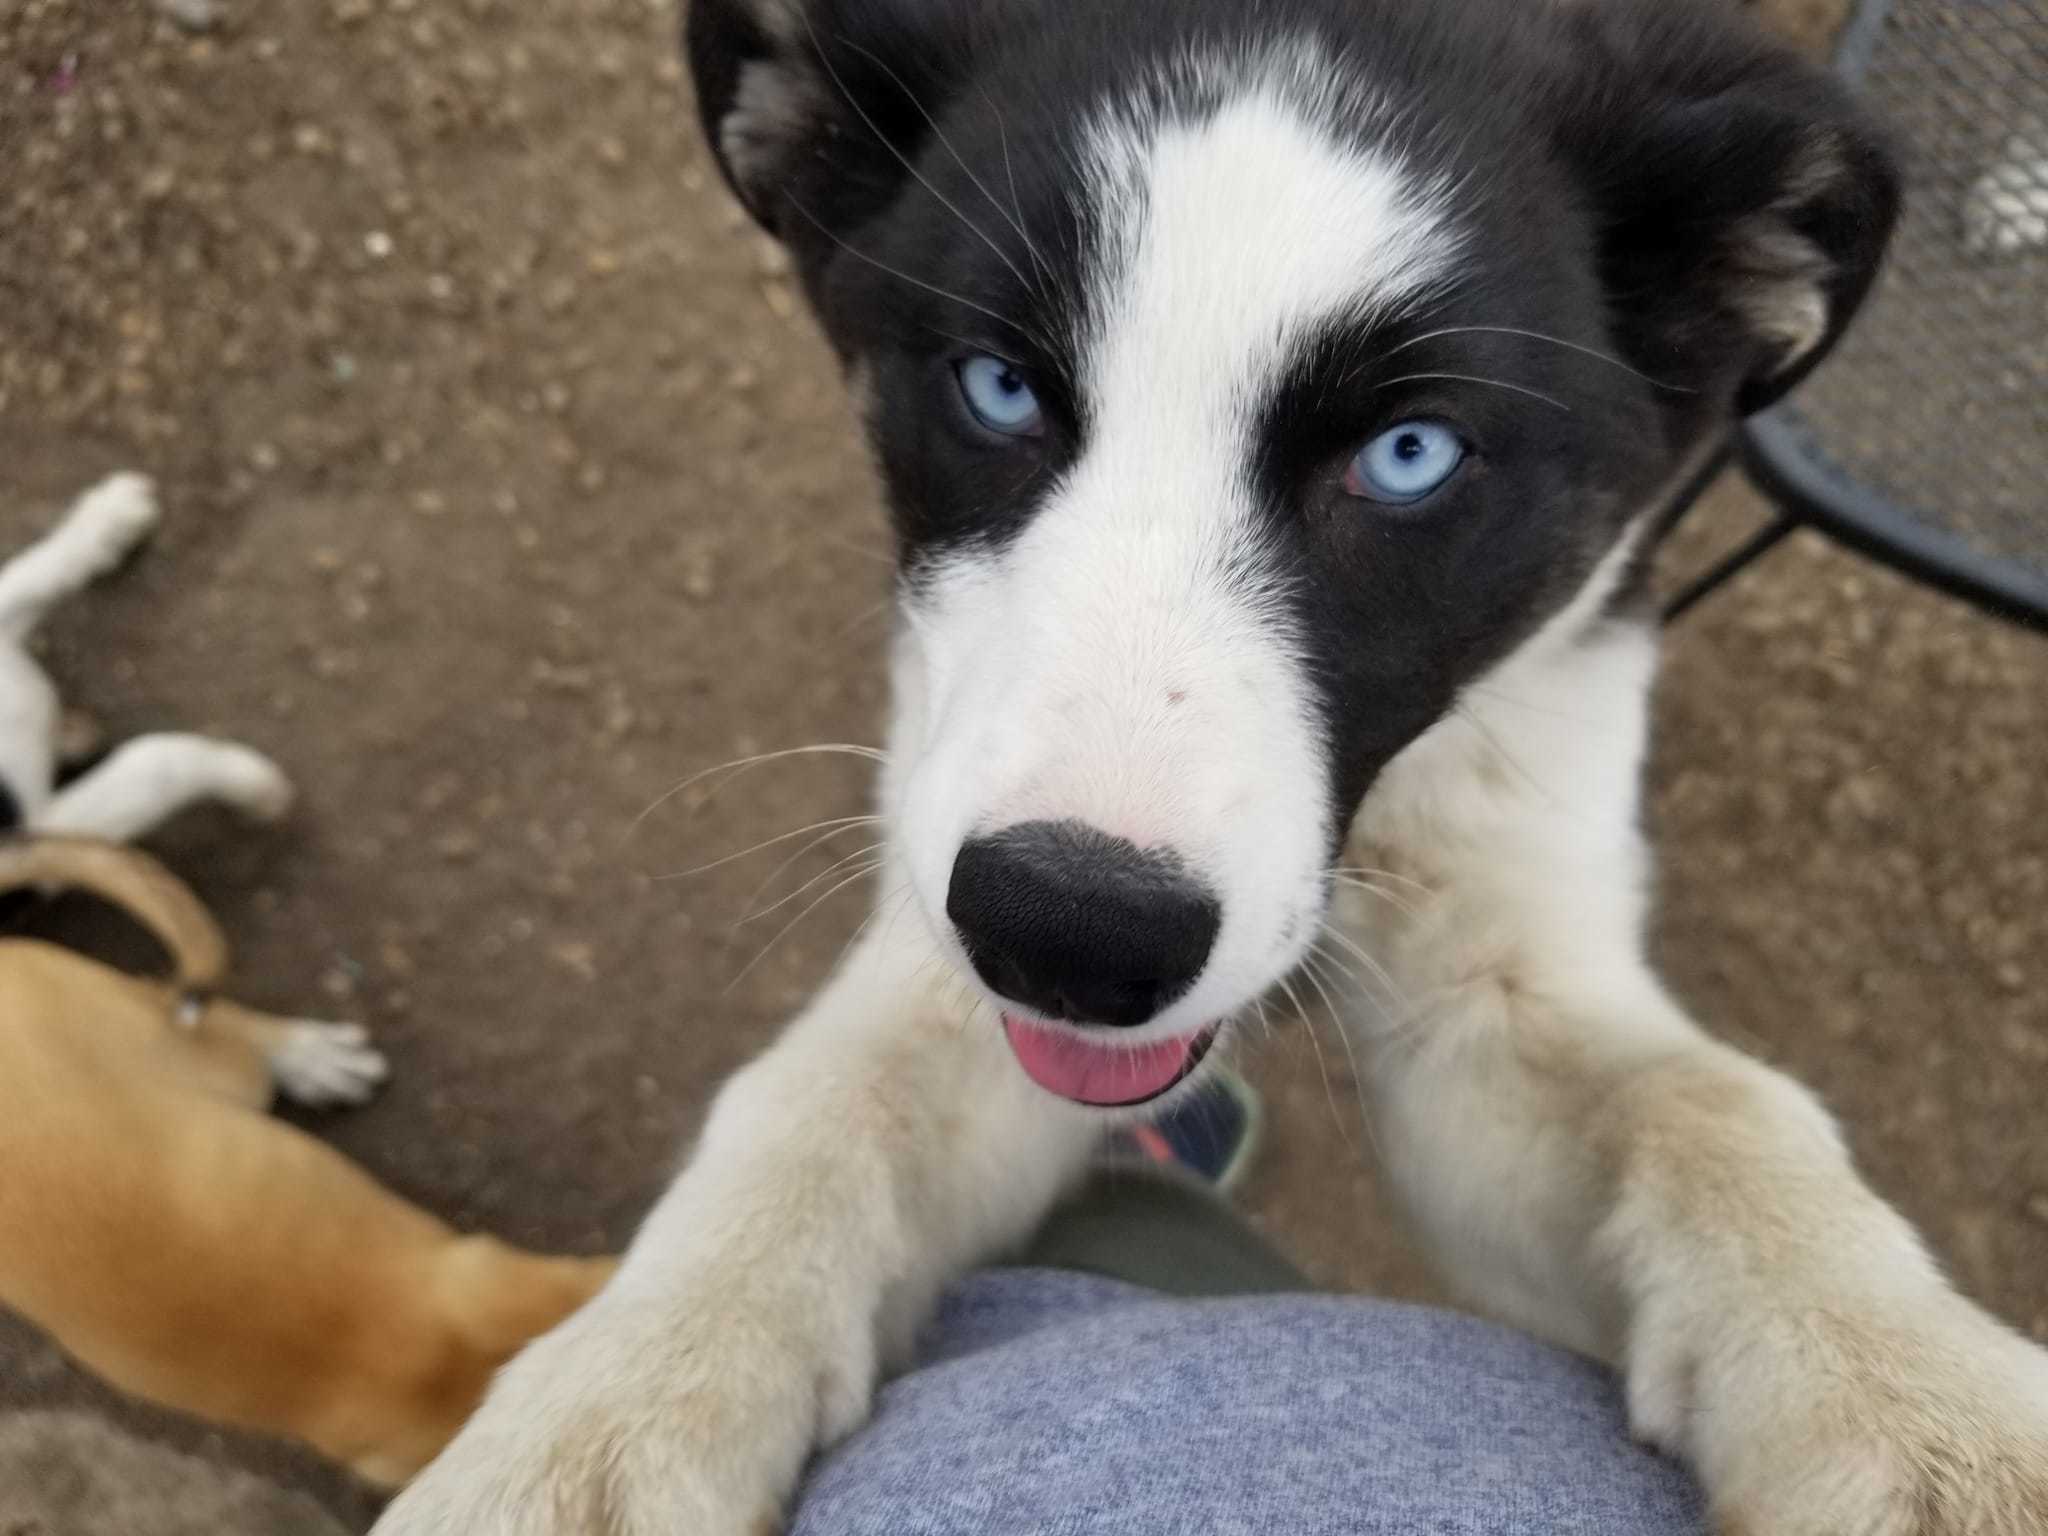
point(1233, 235)
point(1126, 661)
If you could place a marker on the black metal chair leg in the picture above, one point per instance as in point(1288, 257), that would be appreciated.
point(1746, 554)
point(1716, 464)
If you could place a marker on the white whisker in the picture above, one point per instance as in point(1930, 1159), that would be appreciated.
point(748, 969)
point(1378, 971)
point(1315, 1045)
point(841, 824)
point(868, 853)
point(1354, 882)
point(1016, 203)
point(1369, 873)
point(743, 764)
point(939, 133)
point(889, 144)
point(917, 282)
point(1555, 341)
point(805, 852)
point(1470, 378)
point(1337, 1022)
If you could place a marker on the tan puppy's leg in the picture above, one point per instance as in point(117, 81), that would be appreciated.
point(248, 1059)
point(134, 882)
point(311, 1063)
point(204, 1256)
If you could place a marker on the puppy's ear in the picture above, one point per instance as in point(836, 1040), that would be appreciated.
point(813, 107)
point(1744, 203)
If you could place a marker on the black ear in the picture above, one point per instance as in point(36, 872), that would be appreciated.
point(1744, 203)
point(813, 107)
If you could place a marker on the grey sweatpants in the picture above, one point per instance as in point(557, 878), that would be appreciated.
point(1057, 1403)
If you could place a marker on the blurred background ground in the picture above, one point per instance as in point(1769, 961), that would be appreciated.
point(506, 487)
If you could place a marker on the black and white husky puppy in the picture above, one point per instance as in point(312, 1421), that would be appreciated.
point(1273, 397)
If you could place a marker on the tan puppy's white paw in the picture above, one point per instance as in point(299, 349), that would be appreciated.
point(325, 1065)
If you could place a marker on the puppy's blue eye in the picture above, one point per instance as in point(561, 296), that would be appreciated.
point(999, 396)
point(1405, 463)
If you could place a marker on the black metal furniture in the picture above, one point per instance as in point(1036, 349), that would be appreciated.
point(1923, 442)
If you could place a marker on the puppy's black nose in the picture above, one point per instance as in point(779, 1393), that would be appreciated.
point(1076, 924)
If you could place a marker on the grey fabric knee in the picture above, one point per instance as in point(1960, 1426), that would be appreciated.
point(1061, 1403)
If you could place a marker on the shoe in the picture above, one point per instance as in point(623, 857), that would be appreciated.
point(1210, 1134)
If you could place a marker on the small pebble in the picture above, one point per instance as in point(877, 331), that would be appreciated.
point(458, 846)
point(700, 580)
point(577, 958)
point(192, 15)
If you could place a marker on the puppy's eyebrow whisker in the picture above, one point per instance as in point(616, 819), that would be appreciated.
point(889, 144)
point(1470, 378)
point(1014, 221)
point(1010, 174)
point(972, 345)
point(917, 282)
point(1555, 341)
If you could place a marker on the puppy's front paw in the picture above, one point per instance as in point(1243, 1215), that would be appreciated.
point(326, 1065)
point(637, 1418)
point(252, 783)
point(1835, 1422)
point(113, 517)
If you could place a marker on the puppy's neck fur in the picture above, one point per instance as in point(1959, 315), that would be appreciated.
point(1506, 839)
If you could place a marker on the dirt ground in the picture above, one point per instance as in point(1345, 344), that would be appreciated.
point(507, 487)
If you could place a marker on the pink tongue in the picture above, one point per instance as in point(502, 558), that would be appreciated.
point(1104, 1074)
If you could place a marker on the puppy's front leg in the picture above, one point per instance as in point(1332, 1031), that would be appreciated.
point(882, 1146)
point(1587, 1164)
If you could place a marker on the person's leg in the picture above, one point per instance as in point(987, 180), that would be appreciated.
point(1059, 1404)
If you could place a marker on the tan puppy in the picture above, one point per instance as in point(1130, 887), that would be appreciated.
point(194, 1251)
